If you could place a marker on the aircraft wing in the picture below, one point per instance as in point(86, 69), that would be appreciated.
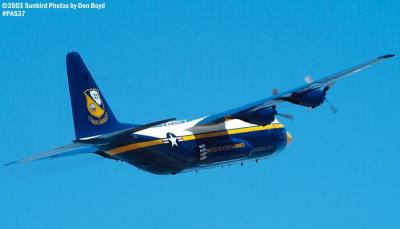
point(285, 96)
point(66, 150)
point(86, 145)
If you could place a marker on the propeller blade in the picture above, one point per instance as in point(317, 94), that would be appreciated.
point(333, 109)
point(308, 79)
point(288, 116)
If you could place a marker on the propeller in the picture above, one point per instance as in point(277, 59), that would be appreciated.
point(287, 116)
point(308, 79)
point(333, 109)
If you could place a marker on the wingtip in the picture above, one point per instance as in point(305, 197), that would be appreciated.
point(386, 56)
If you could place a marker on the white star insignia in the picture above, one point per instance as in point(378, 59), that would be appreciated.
point(171, 138)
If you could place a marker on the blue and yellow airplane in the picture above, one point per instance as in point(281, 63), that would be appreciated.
point(249, 132)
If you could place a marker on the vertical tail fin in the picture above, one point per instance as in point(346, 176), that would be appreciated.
point(91, 113)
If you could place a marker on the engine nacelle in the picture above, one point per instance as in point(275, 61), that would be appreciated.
point(261, 117)
point(311, 98)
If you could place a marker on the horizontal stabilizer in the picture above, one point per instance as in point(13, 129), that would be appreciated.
point(63, 151)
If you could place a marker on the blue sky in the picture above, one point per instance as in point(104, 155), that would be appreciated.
point(186, 59)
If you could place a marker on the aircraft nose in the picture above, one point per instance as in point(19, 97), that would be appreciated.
point(289, 137)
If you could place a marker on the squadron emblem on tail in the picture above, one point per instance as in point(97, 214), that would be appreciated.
point(95, 107)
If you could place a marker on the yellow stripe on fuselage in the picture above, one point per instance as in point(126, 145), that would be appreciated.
point(139, 145)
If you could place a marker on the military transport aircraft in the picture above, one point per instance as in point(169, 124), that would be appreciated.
point(169, 146)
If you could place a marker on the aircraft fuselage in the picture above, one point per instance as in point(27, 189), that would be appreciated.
point(171, 149)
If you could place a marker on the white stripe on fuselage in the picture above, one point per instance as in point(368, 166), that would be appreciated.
point(190, 128)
